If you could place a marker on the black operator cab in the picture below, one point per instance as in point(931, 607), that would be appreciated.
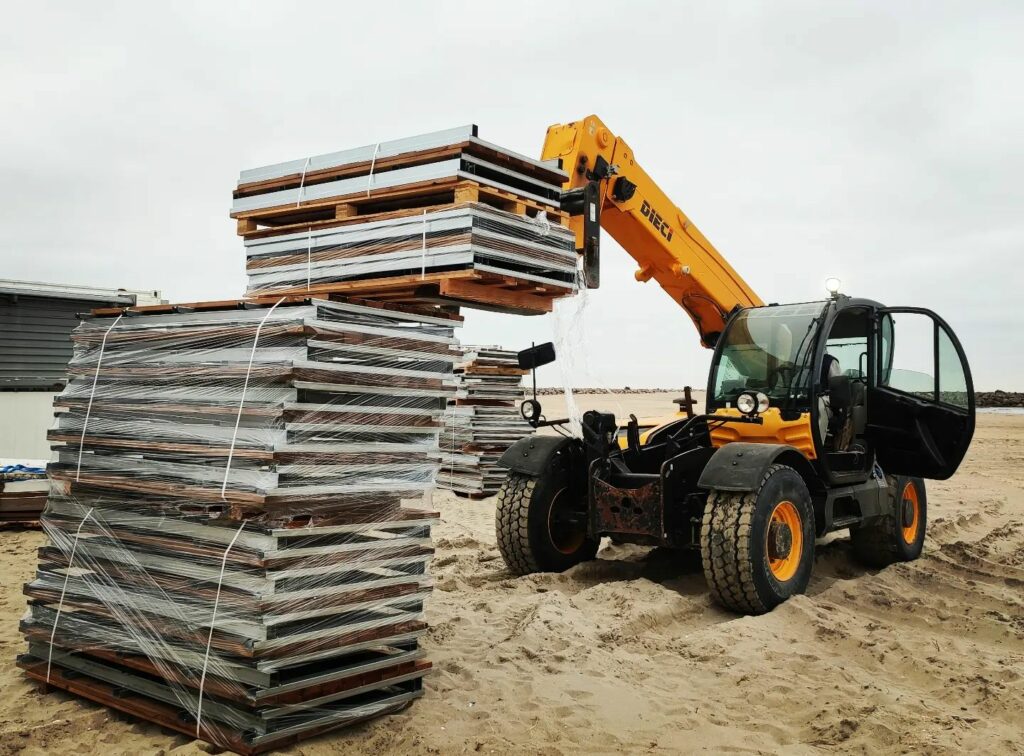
point(847, 382)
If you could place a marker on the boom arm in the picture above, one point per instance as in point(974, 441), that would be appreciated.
point(608, 189)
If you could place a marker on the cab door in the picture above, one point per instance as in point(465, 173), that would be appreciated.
point(920, 394)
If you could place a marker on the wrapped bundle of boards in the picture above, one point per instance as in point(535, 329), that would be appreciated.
point(482, 421)
point(232, 551)
point(23, 489)
point(444, 218)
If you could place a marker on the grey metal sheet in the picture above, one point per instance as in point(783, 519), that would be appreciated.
point(379, 150)
point(397, 177)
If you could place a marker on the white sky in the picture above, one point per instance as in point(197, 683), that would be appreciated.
point(883, 145)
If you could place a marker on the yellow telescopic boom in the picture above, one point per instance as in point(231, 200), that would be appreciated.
point(608, 189)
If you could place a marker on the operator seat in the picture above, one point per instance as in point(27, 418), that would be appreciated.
point(842, 408)
point(826, 415)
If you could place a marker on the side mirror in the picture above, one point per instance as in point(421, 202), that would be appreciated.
point(840, 396)
point(536, 356)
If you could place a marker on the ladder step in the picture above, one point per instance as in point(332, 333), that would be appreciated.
point(845, 522)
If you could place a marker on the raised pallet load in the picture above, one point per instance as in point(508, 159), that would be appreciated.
point(444, 218)
point(482, 421)
point(236, 550)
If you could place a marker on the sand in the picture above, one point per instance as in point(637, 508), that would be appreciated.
point(626, 654)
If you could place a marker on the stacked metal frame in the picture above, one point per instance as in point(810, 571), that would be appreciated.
point(23, 489)
point(421, 210)
point(238, 539)
point(482, 421)
point(470, 237)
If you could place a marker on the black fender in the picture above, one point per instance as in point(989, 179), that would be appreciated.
point(739, 466)
point(532, 454)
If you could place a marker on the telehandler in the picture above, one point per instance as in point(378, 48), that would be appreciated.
point(820, 416)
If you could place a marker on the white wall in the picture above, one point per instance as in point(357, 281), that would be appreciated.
point(25, 416)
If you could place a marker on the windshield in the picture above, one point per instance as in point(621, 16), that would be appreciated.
point(767, 349)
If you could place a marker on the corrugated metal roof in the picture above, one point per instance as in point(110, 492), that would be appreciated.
point(36, 320)
point(79, 293)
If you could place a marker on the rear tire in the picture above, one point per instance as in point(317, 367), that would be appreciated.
point(539, 527)
point(757, 547)
point(897, 536)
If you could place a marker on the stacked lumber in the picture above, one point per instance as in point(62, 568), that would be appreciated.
point(233, 553)
point(442, 218)
point(482, 421)
point(23, 490)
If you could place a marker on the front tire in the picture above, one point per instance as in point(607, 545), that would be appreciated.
point(897, 536)
point(757, 547)
point(539, 525)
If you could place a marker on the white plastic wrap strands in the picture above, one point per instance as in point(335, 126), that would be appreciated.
point(63, 592)
point(241, 400)
point(95, 379)
point(482, 421)
point(243, 555)
point(213, 624)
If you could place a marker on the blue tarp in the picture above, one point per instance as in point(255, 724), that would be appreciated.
point(22, 469)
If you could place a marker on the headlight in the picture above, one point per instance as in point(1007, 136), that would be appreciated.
point(746, 403)
point(530, 410)
point(750, 403)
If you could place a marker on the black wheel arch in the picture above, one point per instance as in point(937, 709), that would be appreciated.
point(531, 455)
point(740, 466)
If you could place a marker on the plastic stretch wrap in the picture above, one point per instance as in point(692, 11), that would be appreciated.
point(482, 421)
point(238, 537)
point(469, 237)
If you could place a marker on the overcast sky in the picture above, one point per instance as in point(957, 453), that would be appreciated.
point(880, 144)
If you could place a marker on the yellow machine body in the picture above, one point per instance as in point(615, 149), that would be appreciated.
point(772, 430)
point(667, 246)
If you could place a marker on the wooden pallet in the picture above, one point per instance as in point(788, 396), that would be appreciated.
point(165, 715)
point(22, 507)
point(300, 297)
point(503, 293)
point(385, 204)
point(472, 496)
point(473, 369)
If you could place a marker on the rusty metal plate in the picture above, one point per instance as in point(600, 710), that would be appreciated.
point(637, 511)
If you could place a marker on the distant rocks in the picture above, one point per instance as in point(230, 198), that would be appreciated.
point(982, 398)
point(999, 399)
point(554, 391)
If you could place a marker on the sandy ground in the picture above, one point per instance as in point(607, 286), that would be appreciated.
point(626, 654)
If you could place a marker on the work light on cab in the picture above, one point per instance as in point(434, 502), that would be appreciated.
point(751, 403)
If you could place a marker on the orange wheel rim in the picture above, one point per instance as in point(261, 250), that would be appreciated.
point(910, 498)
point(783, 562)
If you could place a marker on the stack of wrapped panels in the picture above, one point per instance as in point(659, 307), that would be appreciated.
point(23, 490)
point(444, 218)
point(482, 421)
point(235, 547)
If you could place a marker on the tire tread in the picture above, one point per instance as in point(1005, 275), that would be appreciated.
point(725, 538)
point(512, 523)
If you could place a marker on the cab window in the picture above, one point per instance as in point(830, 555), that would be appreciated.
point(952, 381)
point(912, 359)
point(767, 349)
point(848, 343)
